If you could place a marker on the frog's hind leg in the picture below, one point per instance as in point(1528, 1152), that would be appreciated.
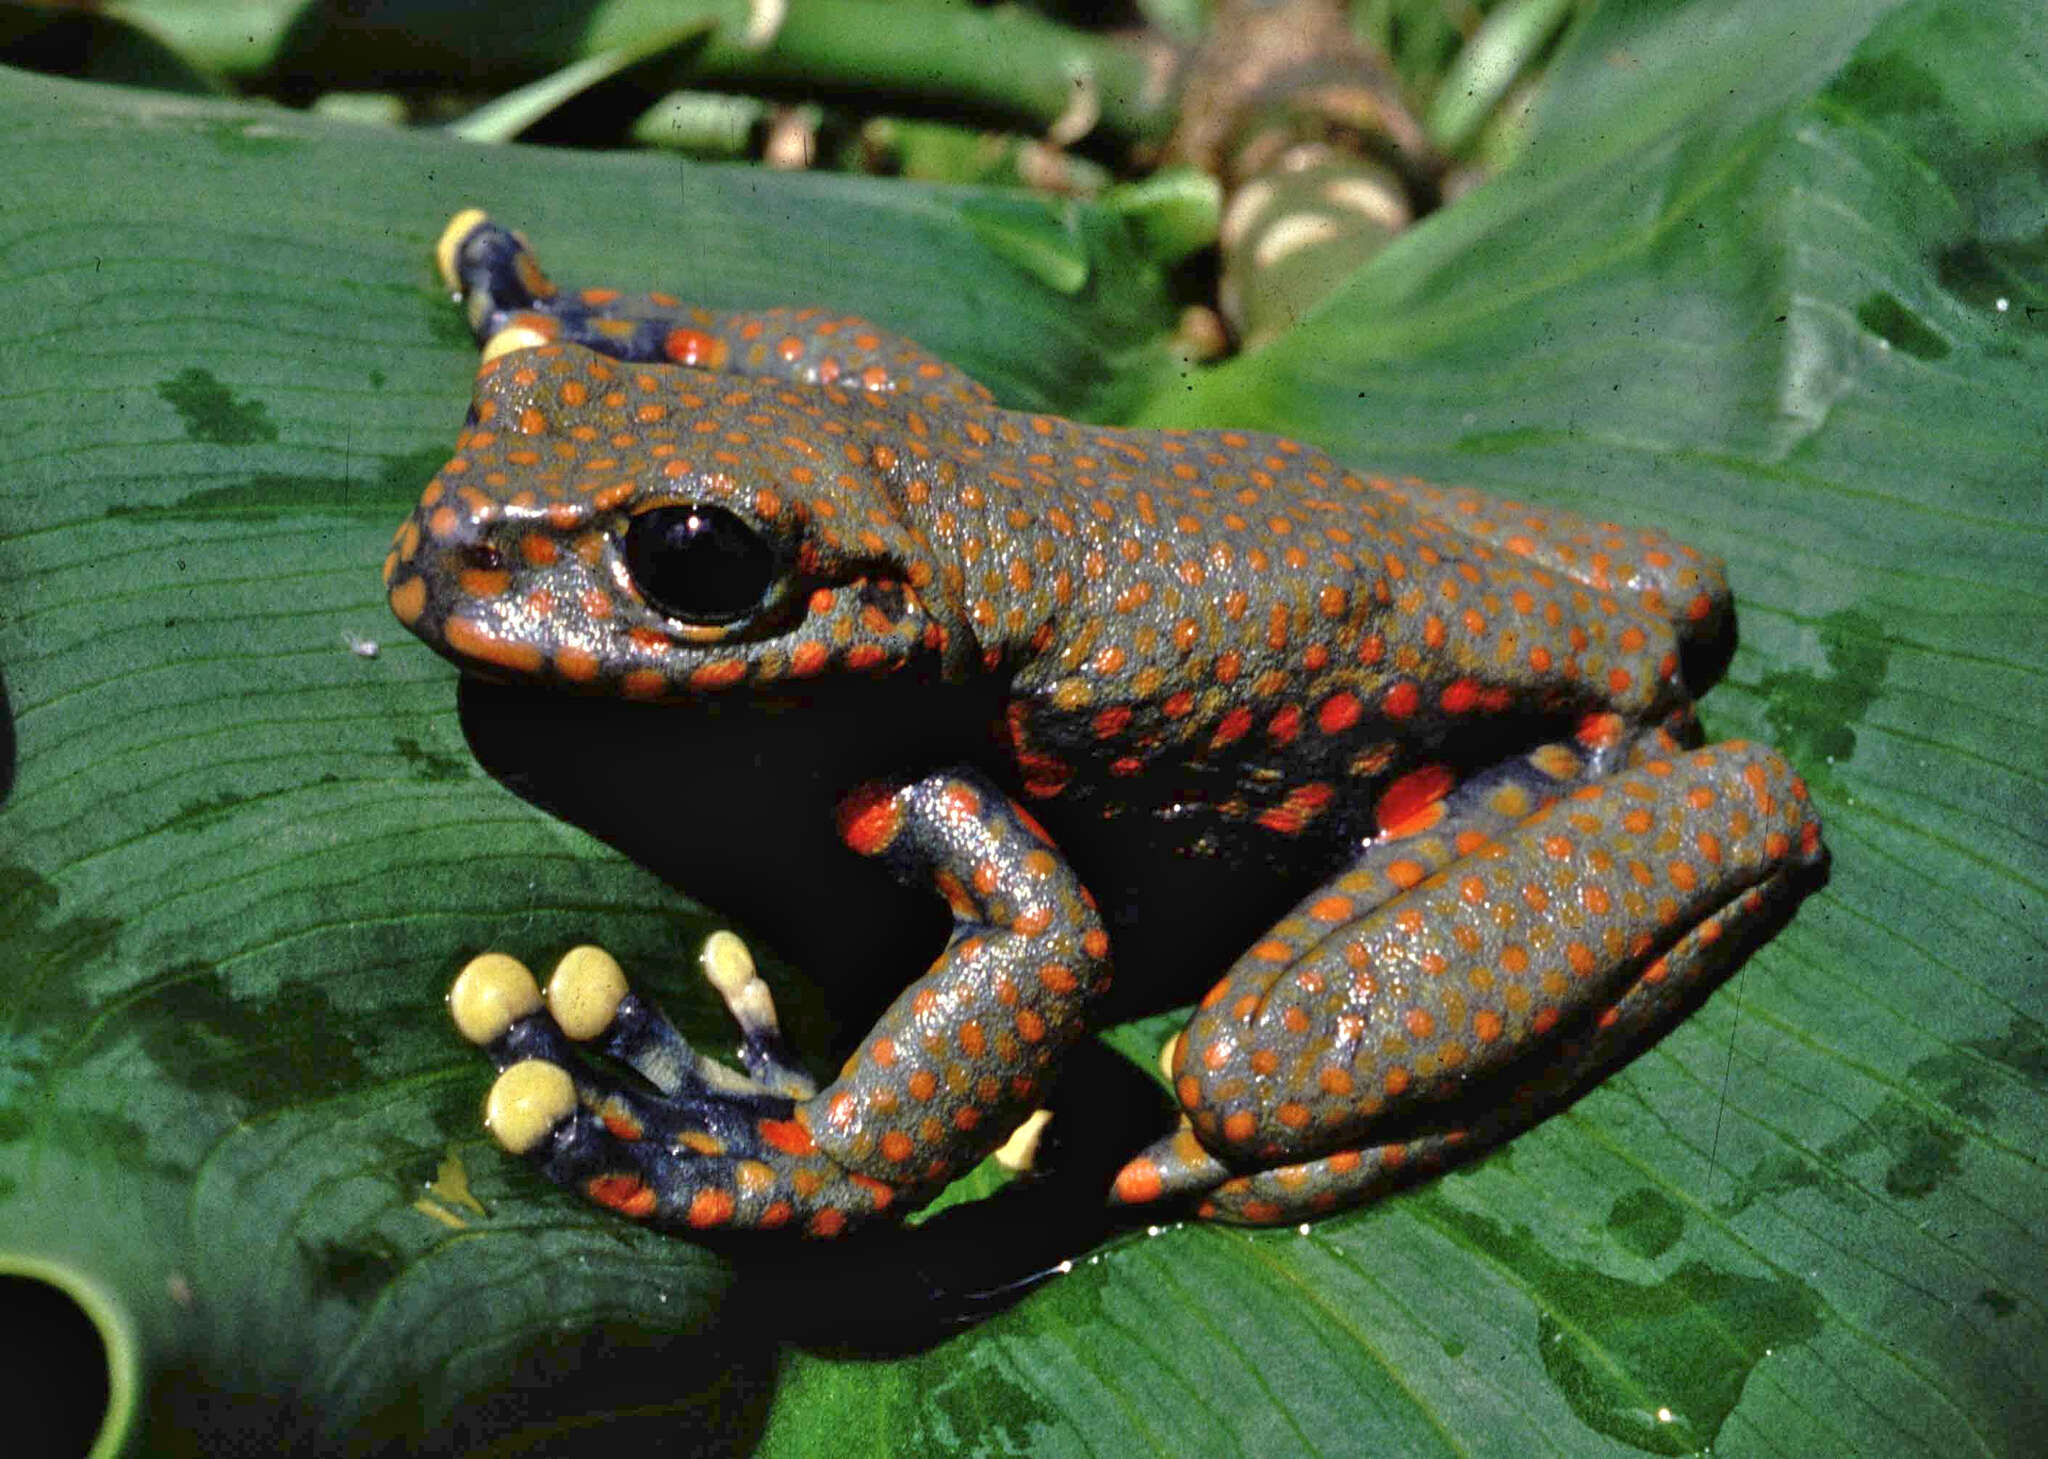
point(511, 304)
point(953, 1065)
point(1349, 1050)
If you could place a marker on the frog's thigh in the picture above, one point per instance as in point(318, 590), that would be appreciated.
point(1317, 1073)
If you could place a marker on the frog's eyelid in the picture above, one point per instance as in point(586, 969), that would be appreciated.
point(557, 516)
point(785, 531)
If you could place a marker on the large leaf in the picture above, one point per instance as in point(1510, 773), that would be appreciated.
point(1748, 286)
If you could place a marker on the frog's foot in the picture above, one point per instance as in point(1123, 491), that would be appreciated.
point(1353, 1048)
point(703, 1146)
point(951, 1068)
point(511, 304)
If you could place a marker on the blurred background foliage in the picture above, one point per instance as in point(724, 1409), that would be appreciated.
point(1304, 133)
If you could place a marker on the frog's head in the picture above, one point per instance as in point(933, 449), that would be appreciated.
point(660, 532)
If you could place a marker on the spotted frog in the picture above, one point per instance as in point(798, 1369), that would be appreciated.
point(1458, 724)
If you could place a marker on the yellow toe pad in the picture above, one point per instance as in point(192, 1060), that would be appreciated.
point(529, 1099)
point(491, 993)
point(459, 227)
point(585, 992)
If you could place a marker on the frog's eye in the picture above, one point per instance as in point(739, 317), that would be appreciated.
point(700, 563)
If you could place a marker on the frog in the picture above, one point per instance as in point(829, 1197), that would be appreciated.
point(1457, 728)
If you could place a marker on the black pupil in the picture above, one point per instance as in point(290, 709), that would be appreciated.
point(701, 564)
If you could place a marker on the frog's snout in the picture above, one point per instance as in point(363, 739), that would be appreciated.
point(485, 590)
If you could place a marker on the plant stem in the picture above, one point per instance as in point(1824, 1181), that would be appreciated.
point(1007, 61)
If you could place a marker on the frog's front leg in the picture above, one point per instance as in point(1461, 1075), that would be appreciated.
point(511, 304)
point(950, 1069)
point(1398, 1019)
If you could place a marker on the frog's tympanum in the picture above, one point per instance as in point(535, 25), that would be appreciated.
point(1462, 718)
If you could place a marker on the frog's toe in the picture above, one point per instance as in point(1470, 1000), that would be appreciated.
point(492, 993)
point(448, 247)
point(532, 1035)
point(1178, 1168)
point(703, 1147)
point(497, 1005)
point(1175, 1166)
point(494, 274)
point(526, 1102)
point(694, 1162)
point(536, 1110)
point(728, 967)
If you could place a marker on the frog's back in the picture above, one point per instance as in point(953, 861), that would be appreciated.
point(1229, 626)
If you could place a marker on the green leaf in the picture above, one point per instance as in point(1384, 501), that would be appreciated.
point(1500, 53)
point(504, 117)
point(96, 47)
point(1747, 285)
